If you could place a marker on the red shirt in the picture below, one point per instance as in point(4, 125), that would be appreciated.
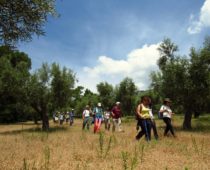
point(116, 112)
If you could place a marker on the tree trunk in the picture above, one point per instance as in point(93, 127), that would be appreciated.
point(187, 120)
point(35, 119)
point(45, 122)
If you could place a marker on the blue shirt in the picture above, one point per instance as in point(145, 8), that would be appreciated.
point(98, 112)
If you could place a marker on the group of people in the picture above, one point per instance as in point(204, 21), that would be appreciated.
point(96, 116)
point(61, 117)
point(145, 118)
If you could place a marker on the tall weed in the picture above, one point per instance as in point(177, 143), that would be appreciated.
point(103, 149)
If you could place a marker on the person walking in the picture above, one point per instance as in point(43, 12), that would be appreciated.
point(86, 117)
point(67, 116)
point(167, 113)
point(142, 112)
point(153, 124)
point(98, 112)
point(61, 118)
point(71, 117)
point(116, 114)
point(107, 121)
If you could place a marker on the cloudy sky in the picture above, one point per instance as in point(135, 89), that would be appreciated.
point(107, 40)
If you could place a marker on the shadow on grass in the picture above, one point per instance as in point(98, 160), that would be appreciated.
point(201, 124)
point(21, 123)
point(196, 129)
point(34, 130)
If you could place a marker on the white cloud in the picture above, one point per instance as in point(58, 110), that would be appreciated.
point(138, 65)
point(196, 25)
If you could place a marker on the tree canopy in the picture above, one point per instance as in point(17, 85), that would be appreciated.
point(21, 19)
point(14, 73)
point(50, 89)
point(185, 80)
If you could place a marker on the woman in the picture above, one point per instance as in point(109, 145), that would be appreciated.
point(86, 117)
point(167, 113)
point(153, 124)
point(97, 111)
point(144, 119)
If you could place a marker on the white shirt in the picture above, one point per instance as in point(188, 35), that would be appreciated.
point(61, 117)
point(168, 113)
point(107, 115)
point(86, 113)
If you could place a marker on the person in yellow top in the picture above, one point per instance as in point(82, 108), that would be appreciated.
point(144, 118)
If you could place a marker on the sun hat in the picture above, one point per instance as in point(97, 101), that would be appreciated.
point(167, 100)
point(99, 104)
point(117, 103)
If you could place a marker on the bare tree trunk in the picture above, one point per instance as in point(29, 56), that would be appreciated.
point(42, 110)
point(187, 120)
point(45, 122)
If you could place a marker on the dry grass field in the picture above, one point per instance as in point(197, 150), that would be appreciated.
point(25, 146)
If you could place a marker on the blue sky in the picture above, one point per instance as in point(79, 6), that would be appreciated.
point(106, 40)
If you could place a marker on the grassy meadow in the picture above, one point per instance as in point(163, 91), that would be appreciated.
point(25, 146)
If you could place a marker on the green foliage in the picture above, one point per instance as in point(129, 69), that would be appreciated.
point(101, 144)
point(185, 80)
point(167, 50)
point(142, 153)
point(61, 86)
point(125, 157)
point(77, 95)
point(47, 157)
point(103, 149)
point(14, 75)
point(130, 160)
point(198, 149)
point(25, 165)
point(50, 89)
point(126, 93)
point(39, 93)
point(134, 159)
point(88, 98)
point(21, 19)
point(106, 94)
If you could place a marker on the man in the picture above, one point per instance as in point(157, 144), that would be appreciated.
point(116, 117)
